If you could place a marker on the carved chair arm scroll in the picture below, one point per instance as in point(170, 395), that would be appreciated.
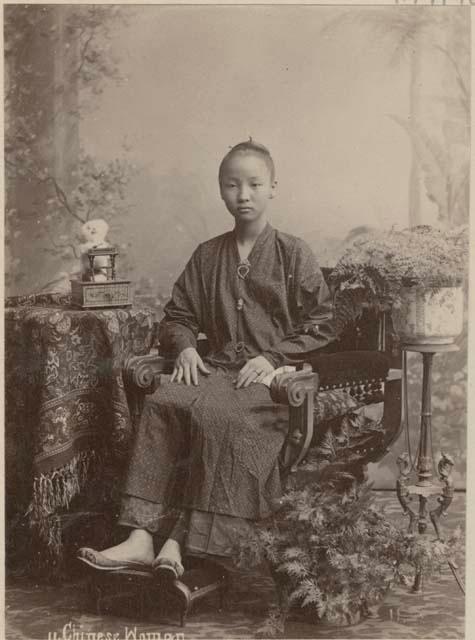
point(296, 389)
point(142, 377)
point(143, 371)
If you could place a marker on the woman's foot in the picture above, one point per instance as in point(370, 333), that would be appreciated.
point(137, 548)
point(168, 563)
point(134, 553)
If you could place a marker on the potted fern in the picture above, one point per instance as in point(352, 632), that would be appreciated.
point(416, 273)
point(334, 555)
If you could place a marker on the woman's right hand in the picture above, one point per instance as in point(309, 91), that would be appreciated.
point(187, 365)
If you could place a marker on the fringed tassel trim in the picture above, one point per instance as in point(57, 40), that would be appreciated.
point(54, 491)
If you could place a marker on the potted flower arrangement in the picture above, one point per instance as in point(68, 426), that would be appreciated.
point(334, 555)
point(417, 273)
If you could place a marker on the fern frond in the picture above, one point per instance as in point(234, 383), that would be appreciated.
point(294, 569)
point(307, 594)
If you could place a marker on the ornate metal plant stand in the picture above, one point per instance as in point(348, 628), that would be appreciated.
point(425, 488)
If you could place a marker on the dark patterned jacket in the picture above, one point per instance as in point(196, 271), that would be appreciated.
point(277, 306)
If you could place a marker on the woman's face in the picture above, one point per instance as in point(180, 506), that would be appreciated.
point(246, 186)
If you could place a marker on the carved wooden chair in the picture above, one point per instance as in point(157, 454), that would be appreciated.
point(344, 401)
point(344, 404)
point(344, 412)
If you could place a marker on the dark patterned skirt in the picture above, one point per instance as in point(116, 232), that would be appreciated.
point(209, 452)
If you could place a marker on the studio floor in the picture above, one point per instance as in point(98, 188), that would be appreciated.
point(39, 611)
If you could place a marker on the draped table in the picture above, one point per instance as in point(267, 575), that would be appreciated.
point(67, 419)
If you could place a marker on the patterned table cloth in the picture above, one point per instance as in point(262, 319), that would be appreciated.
point(67, 416)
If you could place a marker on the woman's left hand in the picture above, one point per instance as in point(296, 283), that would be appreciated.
point(254, 370)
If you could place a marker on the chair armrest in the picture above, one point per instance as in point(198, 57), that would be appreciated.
point(144, 371)
point(290, 388)
point(297, 390)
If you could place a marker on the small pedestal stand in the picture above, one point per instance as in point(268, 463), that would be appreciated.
point(424, 464)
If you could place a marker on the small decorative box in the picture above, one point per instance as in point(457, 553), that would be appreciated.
point(93, 295)
point(99, 287)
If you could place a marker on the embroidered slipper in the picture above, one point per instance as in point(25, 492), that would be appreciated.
point(98, 560)
point(167, 569)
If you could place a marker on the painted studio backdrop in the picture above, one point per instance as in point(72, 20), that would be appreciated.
point(123, 113)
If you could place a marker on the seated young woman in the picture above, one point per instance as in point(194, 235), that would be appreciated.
point(209, 438)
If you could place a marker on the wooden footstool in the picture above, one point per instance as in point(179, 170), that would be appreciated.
point(201, 578)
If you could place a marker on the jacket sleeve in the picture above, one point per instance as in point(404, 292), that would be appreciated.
point(311, 310)
point(183, 318)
